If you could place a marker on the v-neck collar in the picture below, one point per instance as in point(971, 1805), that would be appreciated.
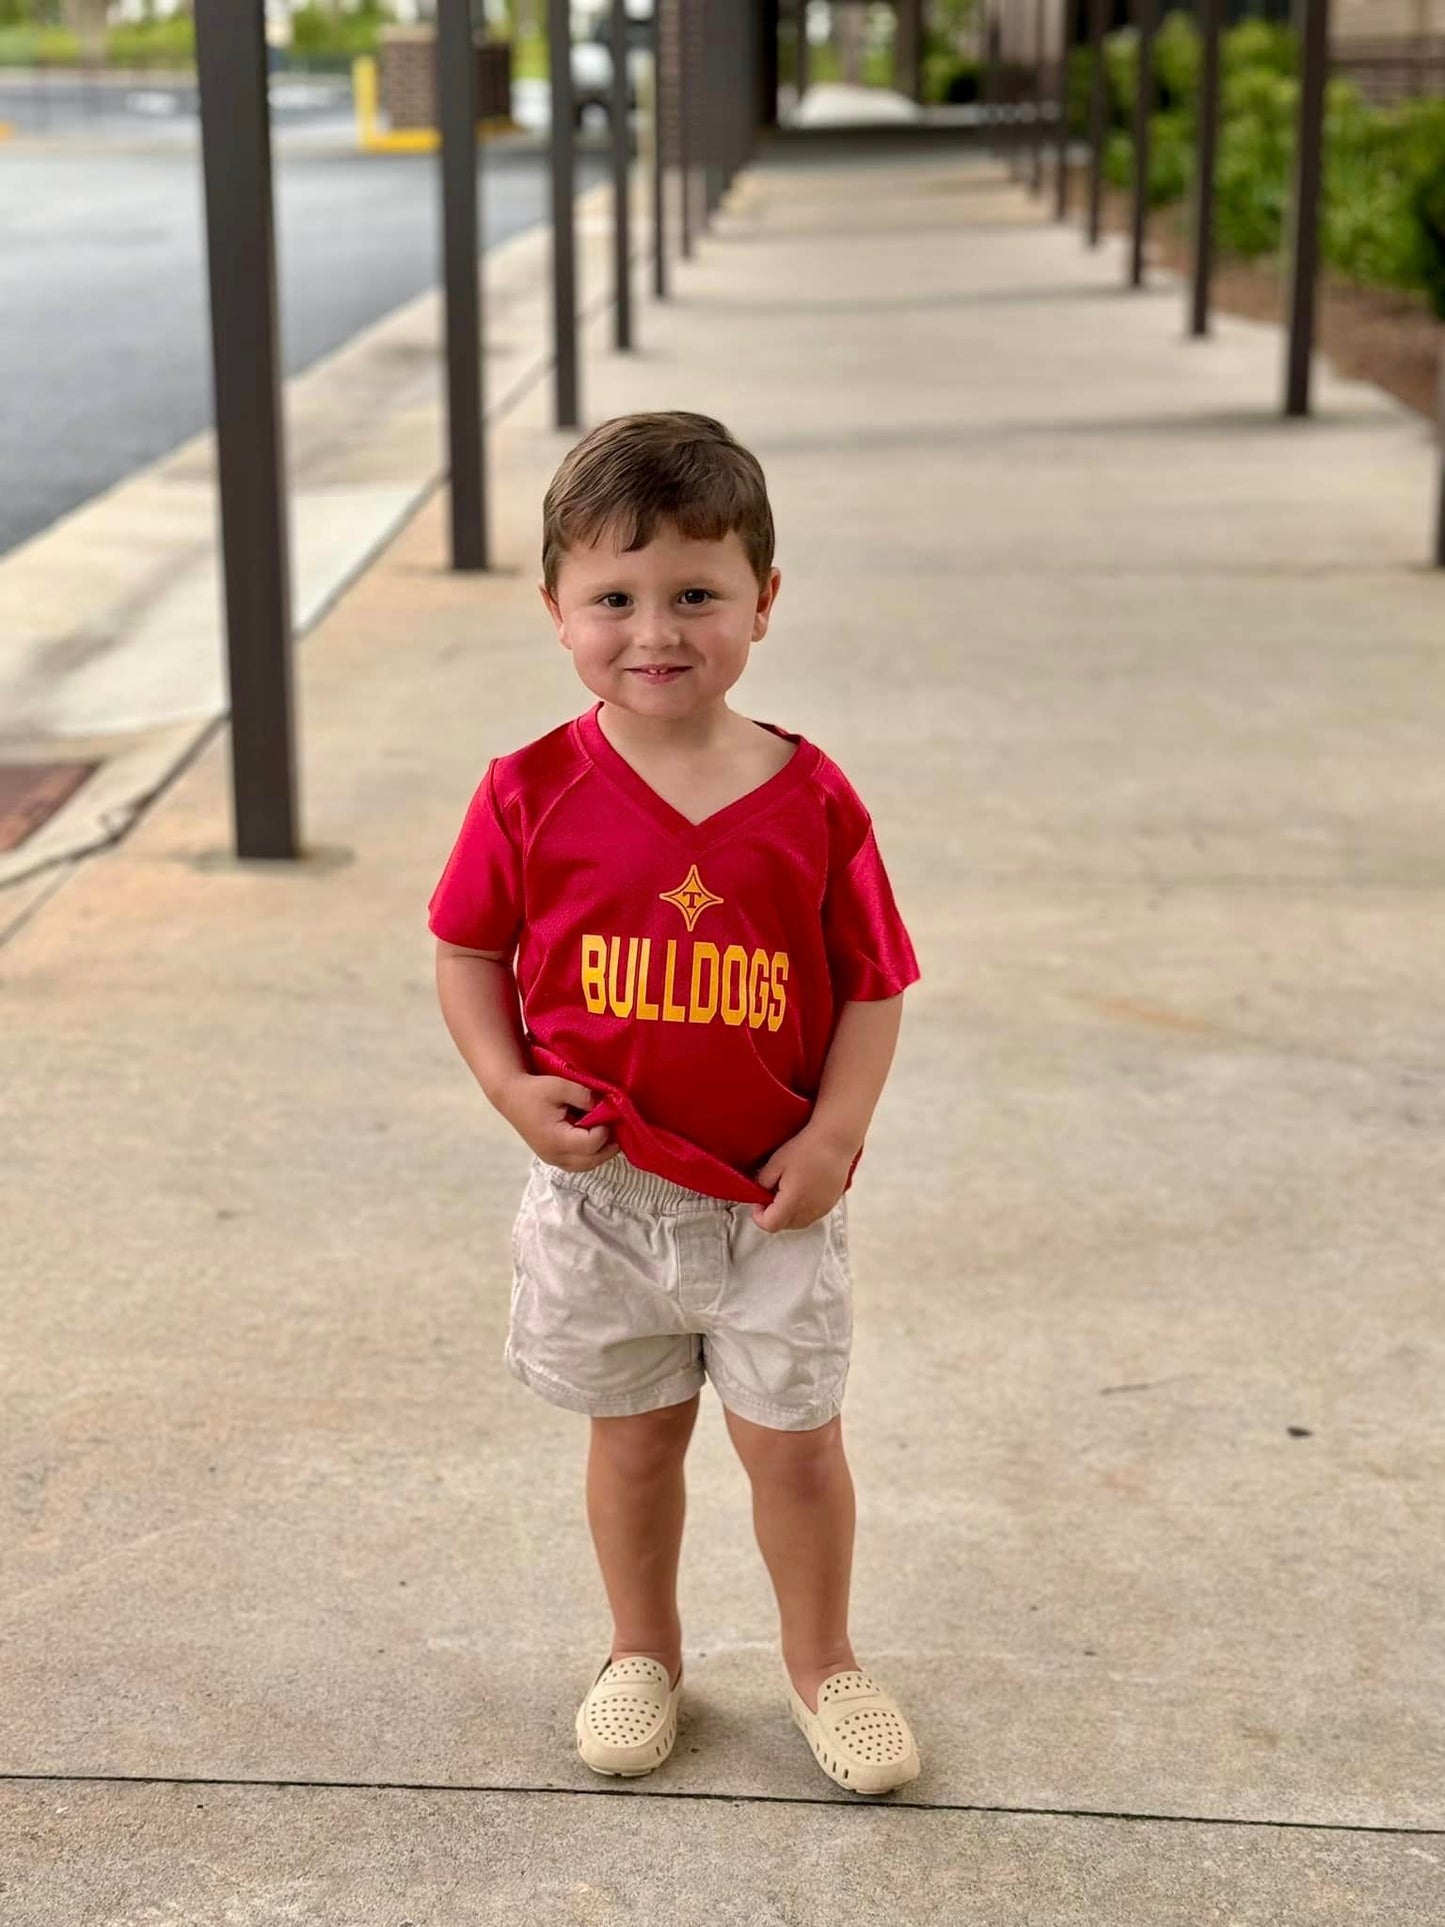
point(618, 771)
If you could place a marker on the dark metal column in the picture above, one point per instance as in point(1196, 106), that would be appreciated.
point(564, 222)
point(660, 98)
point(1211, 16)
point(1061, 131)
point(621, 119)
point(686, 116)
point(1036, 168)
point(754, 62)
point(1314, 32)
point(908, 48)
point(1146, 12)
point(767, 30)
point(710, 105)
point(800, 15)
point(457, 103)
point(1098, 23)
point(241, 250)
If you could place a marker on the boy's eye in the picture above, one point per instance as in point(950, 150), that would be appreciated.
point(619, 598)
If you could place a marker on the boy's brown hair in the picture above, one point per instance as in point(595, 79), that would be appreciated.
point(637, 471)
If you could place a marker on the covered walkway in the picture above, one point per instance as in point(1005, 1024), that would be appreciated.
point(1143, 689)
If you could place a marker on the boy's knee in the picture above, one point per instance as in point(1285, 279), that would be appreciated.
point(803, 1462)
point(648, 1444)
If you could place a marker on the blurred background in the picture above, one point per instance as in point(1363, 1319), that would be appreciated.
point(1092, 349)
point(101, 201)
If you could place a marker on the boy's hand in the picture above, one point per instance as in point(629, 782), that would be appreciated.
point(809, 1174)
point(537, 1107)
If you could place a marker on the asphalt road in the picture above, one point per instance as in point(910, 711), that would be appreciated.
point(103, 324)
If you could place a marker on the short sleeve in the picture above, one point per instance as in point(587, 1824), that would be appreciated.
point(870, 954)
point(478, 902)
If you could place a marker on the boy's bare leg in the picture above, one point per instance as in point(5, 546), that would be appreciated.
point(803, 1513)
point(635, 1506)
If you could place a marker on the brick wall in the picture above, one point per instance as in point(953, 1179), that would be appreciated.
point(1386, 19)
point(1352, 22)
point(408, 78)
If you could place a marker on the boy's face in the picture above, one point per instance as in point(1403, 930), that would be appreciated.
point(663, 630)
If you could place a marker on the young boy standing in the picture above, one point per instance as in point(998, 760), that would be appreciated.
point(693, 912)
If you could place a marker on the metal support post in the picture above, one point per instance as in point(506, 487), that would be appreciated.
point(659, 154)
point(908, 49)
point(620, 116)
point(1211, 20)
point(241, 250)
point(1098, 23)
point(1061, 130)
point(1146, 13)
point(457, 103)
point(1036, 143)
point(564, 222)
point(686, 116)
point(1314, 30)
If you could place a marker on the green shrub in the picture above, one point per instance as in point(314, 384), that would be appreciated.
point(1427, 204)
point(1118, 158)
point(1121, 75)
point(1383, 205)
point(1257, 47)
point(315, 30)
point(1177, 63)
point(1252, 178)
point(953, 81)
point(152, 43)
point(58, 44)
point(1077, 95)
point(1171, 159)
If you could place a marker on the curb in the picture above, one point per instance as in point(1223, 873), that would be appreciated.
point(128, 582)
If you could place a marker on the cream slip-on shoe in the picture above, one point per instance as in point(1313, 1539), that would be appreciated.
point(858, 1734)
point(628, 1721)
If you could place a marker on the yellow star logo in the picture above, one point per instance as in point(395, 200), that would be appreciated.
point(691, 896)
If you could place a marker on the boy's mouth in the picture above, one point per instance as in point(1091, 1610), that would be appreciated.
point(660, 675)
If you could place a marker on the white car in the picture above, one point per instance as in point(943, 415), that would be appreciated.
point(592, 57)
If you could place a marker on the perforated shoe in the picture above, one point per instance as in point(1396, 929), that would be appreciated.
point(628, 1721)
point(858, 1735)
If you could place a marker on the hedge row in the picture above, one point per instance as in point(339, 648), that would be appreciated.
point(315, 30)
point(1383, 203)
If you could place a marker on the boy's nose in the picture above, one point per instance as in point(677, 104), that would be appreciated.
point(654, 629)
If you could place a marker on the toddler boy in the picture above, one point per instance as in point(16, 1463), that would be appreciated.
point(669, 953)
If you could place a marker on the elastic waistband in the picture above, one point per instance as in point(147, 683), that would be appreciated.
point(622, 1183)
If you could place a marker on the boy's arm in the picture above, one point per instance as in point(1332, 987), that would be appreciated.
point(810, 1171)
point(478, 996)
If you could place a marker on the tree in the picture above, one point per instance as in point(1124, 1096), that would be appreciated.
point(86, 20)
point(850, 30)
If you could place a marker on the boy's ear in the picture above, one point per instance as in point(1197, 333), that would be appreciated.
point(767, 596)
point(554, 612)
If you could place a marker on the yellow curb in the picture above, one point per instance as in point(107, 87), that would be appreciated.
point(372, 138)
point(426, 140)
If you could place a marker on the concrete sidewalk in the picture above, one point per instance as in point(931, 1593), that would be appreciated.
point(1144, 691)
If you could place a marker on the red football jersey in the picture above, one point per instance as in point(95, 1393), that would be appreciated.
point(689, 973)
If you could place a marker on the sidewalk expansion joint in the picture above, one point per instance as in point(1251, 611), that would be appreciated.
point(886, 1802)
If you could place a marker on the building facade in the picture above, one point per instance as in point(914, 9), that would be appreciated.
point(1357, 27)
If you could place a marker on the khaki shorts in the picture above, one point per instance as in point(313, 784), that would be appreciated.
point(629, 1290)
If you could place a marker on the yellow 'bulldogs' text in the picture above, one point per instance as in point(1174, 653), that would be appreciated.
point(625, 976)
